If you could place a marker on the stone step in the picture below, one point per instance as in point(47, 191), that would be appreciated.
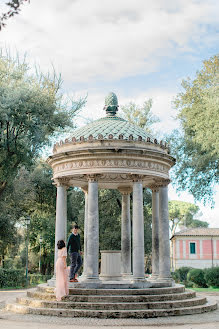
point(116, 284)
point(114, 298)
point(112, 313)
point(112, 306)
point(148, 291)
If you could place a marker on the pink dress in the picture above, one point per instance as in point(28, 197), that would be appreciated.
point(61, 275)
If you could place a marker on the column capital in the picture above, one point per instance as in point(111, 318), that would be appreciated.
point(125, 190)
point(92, 177)
point(84, 189)
point(161, 183)
point(154, 188)
point(61, 182)
point(136, 178)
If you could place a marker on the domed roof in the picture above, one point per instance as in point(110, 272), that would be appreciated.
point(111, 126)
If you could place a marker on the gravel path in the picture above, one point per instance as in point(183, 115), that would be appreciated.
point(17, 321)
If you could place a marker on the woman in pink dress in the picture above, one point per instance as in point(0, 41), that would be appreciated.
point(61, 272)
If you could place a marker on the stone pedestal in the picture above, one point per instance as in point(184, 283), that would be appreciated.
point(110, 265)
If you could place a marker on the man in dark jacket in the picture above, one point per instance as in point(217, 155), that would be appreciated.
point(74, 249)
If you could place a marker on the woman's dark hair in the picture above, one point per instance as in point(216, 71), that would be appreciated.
point(60, 244)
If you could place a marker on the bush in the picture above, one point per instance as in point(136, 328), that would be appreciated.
point(175, 276)
point(197, 276)
point(12, 278)
point(17, 278)
point(212, 276)
point(38, 278)
point(180, 275)
point(189, 284)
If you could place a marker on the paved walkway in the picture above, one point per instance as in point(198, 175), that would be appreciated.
point(17, 321)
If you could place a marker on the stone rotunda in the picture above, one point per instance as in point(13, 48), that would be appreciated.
point(111, 153)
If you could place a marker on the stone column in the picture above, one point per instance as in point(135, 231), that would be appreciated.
point(138, 232)
point(61, 216)
point(92, 257)
point(125, 233)
point(85, 190)
point(155, 233)
point(164, 241)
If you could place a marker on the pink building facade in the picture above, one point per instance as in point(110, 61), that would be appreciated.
point(196, 247)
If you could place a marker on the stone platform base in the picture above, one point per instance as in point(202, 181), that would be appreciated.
point(113, 302)
point(121, 284)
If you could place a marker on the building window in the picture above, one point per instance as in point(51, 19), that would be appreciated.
point(192, 248)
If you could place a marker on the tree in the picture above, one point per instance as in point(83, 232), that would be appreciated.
point(140, 115)
point(183, 213)
point(32, 110)
point(196, 148)
point(14, 6)
point(30, 194)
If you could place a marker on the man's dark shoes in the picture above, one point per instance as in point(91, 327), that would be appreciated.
point(73, 280)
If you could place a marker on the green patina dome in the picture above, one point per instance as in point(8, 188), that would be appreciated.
point(111, 126)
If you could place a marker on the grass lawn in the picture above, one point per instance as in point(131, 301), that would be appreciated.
point(211, 289)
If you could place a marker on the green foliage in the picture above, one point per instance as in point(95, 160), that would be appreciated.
point(182, 213)
point(32, 110)
point(17, 278)
point(197, 148)
point(212, 276)
point(180, 276)
point(110, 219)
point(197, 276)
point(38, 278)
point(140, 115)
point(33, 194)
point(12, 278)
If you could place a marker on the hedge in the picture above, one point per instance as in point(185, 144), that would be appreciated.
point(17, 278)
point(180, 275)
point(212, 276)
point(197, 276)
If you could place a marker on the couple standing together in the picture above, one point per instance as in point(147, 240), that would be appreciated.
point(74, 250)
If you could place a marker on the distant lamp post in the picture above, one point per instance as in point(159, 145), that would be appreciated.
point(40, 240)
point(27, 221)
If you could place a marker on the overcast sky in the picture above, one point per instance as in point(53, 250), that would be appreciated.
point(138, 49)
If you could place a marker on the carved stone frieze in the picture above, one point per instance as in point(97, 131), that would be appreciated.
point(111, 163)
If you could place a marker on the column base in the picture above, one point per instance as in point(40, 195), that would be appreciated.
point(110, 278)
point(127, 276)
point(52, 281)
point(138, 279)
point(86, 278)
point(140, 283)
point(154, 277)
point(166, 280)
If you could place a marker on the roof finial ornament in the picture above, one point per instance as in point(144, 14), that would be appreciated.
point(111, 104)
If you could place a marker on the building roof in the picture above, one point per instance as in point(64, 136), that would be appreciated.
point(113, 126)
point(199, 231)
